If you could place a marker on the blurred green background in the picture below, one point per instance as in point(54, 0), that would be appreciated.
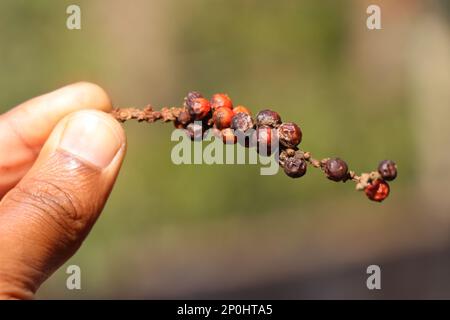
point(226, 231)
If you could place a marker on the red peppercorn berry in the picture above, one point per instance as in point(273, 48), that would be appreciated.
point(199, 108)
point(336, 169)
point(240, 109)
point(222, 117)
point(221, 100)
point(295, 167)
point(388, 170)
point(290, 134)
point(268, 118)
point(377, 190)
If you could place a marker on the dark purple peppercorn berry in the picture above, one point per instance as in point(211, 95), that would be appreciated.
point(388, 170)
point(336, 169)
point(268, 118)
point(241, 122)
point(295, 167)
point(191, 96)
point(290, 134)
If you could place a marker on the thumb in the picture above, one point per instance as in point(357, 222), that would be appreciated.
point(45, 218)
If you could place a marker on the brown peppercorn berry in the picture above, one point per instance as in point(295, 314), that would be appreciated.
point(199, 108)
point(222, 117)
point(377, 190)
point(265, 140)
point(388, 170)
point(228, 136)
point(268, 118)
point(183, 119)
point(241, 122)
point(290, 134)
point(221, 100)
point(295, 167)
point(240, 109)
point(336, 169)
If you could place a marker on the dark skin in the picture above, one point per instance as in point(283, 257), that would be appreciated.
point(60, 154)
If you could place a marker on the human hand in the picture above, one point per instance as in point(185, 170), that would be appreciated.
point(60, 154)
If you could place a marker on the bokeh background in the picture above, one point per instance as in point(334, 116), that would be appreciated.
point(226, 231)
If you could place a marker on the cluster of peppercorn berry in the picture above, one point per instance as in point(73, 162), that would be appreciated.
point(217, 114)
point(267, 133)
point(378, 188)
point(374, 184)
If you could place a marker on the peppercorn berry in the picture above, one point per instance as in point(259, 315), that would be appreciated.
point(199, 108)
point(290, 134)
point(241, 122)
point(221, 100)
point(183, 119)
point(228, 136)
point(295, 167)
point(388, 170)
point(222, 117)
point(178, 125)
point(265, 139)
point(377, 190)
point(240, 109)
point(268, 118)
point(191, 96)
point(195, 131)
point(336, 169)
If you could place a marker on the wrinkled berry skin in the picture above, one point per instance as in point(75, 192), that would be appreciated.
point(336, 169)
point(268, 118)
point(240, 109)
point(195, 131)
point(295, 167)
point(289, 134)
point(266, 140)
point(183, 119)
point(388, 170)
point(222, 117)
point(377, 190)
point(241, 122)
point(199, 108)
point(191, 96)
point(228, 136)
point(219, 100)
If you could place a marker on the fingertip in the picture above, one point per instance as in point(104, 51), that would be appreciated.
point(26, 128)
point(36, 118)
point(87, 94)
point(93, 136)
